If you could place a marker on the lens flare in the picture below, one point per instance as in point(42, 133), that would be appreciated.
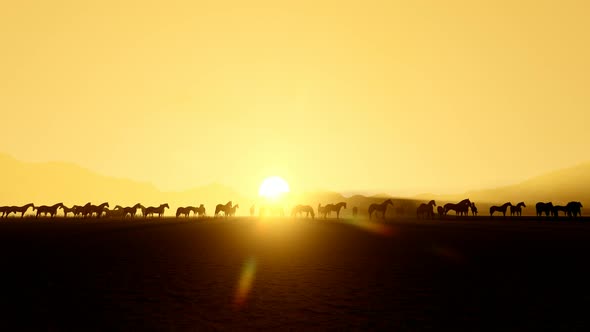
point(245, 283)
point(374, 227)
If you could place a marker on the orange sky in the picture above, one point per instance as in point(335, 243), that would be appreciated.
point(401, 97)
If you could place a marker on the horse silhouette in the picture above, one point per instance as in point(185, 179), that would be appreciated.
point(426, 210)
point(225, 208)
point(516, 210)
point(45, 210)
point(461, 208)
point(574, 209)
point(322, 210)
point(299, 210)
point(232, 210)
point(78, 210)
point(150, 211)
point(89, 210)
point(473, 209)
point(546, 208)
point(335, 208)
point(19, 209)
point(558, 208)
point(200, 211)
point(382, 208)
point(117, 212)
point(441, 211)
point(132, 210)
point(66, 210)
point(185, 211)
point(4, 210)
point(501, 209)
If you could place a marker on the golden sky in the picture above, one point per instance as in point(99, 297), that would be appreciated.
point(401, 97)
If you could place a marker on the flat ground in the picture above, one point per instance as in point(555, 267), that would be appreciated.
point(476, 274)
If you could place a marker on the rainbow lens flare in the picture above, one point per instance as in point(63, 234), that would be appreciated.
point(245, 283)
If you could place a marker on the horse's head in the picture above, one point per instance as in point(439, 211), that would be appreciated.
point(165, 205)
point(237, 206)
point(522, 204)
point(432, 202)
point(388, 202)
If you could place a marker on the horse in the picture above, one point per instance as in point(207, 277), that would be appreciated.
point(232, 210)
point(517, 209)
point(200, 211)
point(459, 208)
point(4, 210)
point(558, 208)
point(19, 209)
point(301, 209)
point(132, 211)
point(574, 209)
point(78, 210)
point(45, 210)
point(223, 208)
point(98, 209)
point(473, 209)
point(502, 209)
point(322, 210)
point(156, 210)
point(336, 208)
point(185, 211)
point(426, 210)
point(117, 212)
point(441, 211)
point(67, 210)
point(546, 208)
point(88, 210)
point(380, 208)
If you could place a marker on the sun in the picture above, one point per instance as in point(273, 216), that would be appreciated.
point(272, 188)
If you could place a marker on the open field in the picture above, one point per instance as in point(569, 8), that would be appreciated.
point(474, 274)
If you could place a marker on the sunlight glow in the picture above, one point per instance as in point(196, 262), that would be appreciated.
point(273, 188)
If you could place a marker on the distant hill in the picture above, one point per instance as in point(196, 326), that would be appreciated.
point(559, 187)
point(48, 183)
point(51, 182)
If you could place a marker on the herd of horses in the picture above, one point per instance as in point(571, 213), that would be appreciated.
point(572, 209)
point(88, 210)
point(424, 210)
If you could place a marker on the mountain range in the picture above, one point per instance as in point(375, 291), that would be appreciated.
point(48, 182)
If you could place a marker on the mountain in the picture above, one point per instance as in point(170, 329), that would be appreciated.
point(561, 186)
point(51, 182)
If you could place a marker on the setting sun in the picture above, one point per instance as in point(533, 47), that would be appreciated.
point(273, 187)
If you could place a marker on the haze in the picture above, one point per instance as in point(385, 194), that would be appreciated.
point(402, 97)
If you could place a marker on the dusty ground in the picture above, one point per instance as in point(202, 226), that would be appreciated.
point(473, 275)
